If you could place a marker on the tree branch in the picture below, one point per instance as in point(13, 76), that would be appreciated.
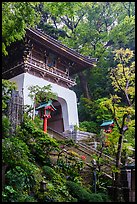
point(124, 73)
point(117, 81)
point(127, 97)
point(128, 9)
point(114, 116)
point(67, 22)
point(76, 24)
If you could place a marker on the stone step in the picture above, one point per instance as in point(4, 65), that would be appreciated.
point(88, 152)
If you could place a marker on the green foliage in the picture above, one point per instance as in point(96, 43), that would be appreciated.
point(38, 122)
point(124, 31)
point(14, 151)
point(56, 186)
point(121, 105)
point(5, 126)
point(126, 152)
point(9, 194)
point(130, 134)
point(123, 76)
point(62, 8)
point(39, 142)
point(78, 191)
point(70, 164)
point(101, 185)
point(95, 112)
point(23, 176)
point(49, 172)
point(88, 126)
point(16, 17)
point(111, 139)
point(83, 195)
point(67, 142)
point(106, 29)
point(20, 182)
point(56, 193)
point(105, 197)
point(19, 178)
point(7, 87)
point(41, 94)
point(53, 176)
point(123, 80)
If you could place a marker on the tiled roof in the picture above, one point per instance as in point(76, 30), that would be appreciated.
point(70, 51)
point(108, 122)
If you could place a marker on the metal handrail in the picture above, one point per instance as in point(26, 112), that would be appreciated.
point(88, 151)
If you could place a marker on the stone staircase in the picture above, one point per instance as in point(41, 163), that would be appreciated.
point(79, 135)
point(83, 148)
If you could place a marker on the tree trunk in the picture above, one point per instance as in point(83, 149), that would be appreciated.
point(119, 150)
point(117, 183)
point(118, 161)
point(84, 85)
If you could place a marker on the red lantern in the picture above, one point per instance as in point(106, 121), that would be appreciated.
point(107, 126)
point(45, 112)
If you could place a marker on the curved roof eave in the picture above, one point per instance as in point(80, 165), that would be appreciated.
point(64, 50)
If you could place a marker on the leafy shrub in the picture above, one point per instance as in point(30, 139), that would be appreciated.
point(20, 182)
point(38, 122)
point(56, 190)
point(78, 191)
point(41, 94)
point(88, 126)
point(70, 164)
point(22, 173)
point(25, 198)
point(5, 126)
point(24, 178)
point(105, 197)
point(10, 195)
point(40, 143)
point(50, 173)
point(95, 197)
point(14, 151)
point(43, 147)
point(83, 195)
point(68, 142)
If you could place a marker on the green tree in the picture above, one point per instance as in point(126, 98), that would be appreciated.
point(41, 94)
point(101, 22)
point(105, 28)
point(123, 80)
point(16, 17)
point(122, 105)
point(123, 76)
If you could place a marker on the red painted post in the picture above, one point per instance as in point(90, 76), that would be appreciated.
point(45, 124)
point(45, 121)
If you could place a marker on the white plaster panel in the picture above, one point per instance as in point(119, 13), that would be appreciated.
point(66, 97)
